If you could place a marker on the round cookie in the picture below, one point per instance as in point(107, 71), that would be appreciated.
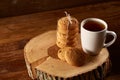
point(75, 24)
point(72, 41)
point(62, 25)
point(72, 37)
point(64, 22)
point(60, 35)
point(63, 40)
point(64, 36)
point(72, 45)
point(61, 54)
point(67, 31)
point(66, 43)
point(73, 32)
point(75, 57)
point(60, 44)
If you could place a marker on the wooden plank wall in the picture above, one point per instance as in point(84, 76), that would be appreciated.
point(20, 7)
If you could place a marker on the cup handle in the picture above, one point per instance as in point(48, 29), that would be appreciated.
point(112, 41)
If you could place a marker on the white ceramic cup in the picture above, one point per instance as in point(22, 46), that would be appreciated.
point(93, 41)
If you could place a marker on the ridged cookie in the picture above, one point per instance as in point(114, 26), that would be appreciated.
point(67, 31)
point(61, 54)
point(74, 56)
point(60, 44)
point(69, 37)
point(64, 22)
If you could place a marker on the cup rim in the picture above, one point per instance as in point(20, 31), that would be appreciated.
point(96, 20)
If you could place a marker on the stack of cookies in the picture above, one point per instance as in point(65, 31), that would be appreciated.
point(67, 32)
point(68, 39)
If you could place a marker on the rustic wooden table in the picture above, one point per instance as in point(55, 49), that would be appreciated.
point(15, 32)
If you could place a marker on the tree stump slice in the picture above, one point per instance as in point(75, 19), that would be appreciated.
point(42, 62)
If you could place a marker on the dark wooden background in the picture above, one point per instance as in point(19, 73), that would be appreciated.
point(19, 23)
point(21, 7)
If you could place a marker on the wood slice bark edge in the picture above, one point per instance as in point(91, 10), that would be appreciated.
point(32, 49)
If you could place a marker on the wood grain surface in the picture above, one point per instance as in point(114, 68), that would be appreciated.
point(41, 55)
point(20, 7)
point(17, 31)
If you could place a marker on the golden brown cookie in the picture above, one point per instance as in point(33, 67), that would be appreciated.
point(73, 36)
point(60, 45)
point(63, 40)
point(61, 54)
point(74, 24)
point(69, 37)
point(75, 57)
point(72, 41)
point(64, 22)
point(73, 32)
point(72, 45)
point(60, 35)
point(67, 31)
point(66, 43)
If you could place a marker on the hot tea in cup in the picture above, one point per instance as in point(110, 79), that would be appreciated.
point(93, 26)
point(93, 35)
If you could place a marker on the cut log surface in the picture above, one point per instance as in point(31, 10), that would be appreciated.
point(43, 66)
